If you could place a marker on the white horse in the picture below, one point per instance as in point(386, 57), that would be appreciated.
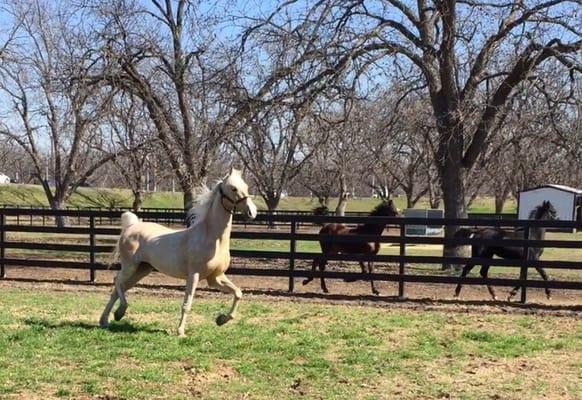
point(200, 252)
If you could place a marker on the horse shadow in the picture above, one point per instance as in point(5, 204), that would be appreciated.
point(124, 327)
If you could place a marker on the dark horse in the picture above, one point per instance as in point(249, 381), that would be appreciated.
point(331, 246)
point(545, 211)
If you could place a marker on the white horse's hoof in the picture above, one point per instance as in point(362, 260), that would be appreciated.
point(104, 324)
point(223, 319)
point(119, 313)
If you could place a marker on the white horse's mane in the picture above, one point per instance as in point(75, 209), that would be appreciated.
point(203, 203)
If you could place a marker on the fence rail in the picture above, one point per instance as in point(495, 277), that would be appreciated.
point(177, 215)
point(93, 235)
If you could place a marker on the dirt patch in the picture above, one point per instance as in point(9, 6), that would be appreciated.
point(511, 378)
point(197, 380)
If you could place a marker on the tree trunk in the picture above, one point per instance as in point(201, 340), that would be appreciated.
point(189, 198)
point(342, 201)
point(434, 195)
point(190, 189)
point(272, 202)
point(453, 186)
point(408, 194)
point(137, 200)
point(323, 200)
point(500, 199)
point(60, 220)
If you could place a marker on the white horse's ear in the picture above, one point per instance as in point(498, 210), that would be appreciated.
point(234, 171)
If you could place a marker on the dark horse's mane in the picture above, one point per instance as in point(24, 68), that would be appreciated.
point(385, 208)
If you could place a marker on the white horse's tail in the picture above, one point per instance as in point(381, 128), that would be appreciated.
point(127, 219)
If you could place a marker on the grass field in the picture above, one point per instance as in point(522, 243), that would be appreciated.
point(32, 195)
point(50, 347)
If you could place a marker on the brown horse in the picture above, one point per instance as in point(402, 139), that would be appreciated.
point(331, 246)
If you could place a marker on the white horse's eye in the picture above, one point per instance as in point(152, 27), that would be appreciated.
point(234, 189)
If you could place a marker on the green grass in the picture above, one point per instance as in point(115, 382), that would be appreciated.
point(33, 195)
point(50, 346)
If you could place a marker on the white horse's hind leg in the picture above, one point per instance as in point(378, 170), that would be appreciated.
point(120, 287)
point(104, 320)
point(191, 284)
point(121, 276)
point(126, 281)
point(223, 283)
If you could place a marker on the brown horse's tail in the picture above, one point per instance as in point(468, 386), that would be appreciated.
point(127, 219)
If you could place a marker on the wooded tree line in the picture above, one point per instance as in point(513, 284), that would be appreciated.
point(446, 99)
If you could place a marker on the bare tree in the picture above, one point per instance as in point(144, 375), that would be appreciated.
point(402, 144)
point(14, 162)
point(156, 53)
point(340, 156)
point(58, 114)
point(198, 90)
point(273, 150)
point(320, 176)
point(347, 141)
point(455, 48)
point(135, 136)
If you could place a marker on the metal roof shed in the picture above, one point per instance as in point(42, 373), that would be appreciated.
point(566, 200)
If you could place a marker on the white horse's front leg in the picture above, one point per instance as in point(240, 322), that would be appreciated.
point(223, 283)
point(191, 284)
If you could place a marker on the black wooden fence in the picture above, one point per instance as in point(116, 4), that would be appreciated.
point(176, 215)
point(90, 249)
point(110, 216)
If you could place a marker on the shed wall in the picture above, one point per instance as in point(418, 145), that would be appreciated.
point(562, 201)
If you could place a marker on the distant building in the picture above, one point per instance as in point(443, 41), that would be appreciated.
point(4, 179)
point(566, 200)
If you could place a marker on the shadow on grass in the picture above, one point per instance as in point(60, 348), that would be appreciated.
point(117, 327)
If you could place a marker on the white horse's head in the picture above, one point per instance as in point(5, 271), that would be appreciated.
point(235, 195)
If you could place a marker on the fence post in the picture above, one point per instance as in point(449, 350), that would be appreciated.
point(92, 244)
point(401, 264)
point(292, 250)
point(2, 240)
point(523, 270)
